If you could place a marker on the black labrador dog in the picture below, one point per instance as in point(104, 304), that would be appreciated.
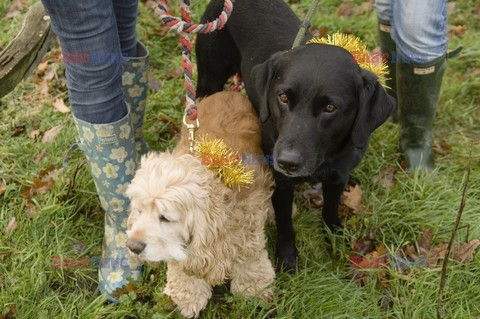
point(317, 107)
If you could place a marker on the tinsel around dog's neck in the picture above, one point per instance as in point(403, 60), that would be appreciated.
point(357, 48)
point(226, 163)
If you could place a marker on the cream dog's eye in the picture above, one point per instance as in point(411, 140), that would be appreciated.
point(164, 219)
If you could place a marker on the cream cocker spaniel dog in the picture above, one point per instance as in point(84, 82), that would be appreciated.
point(207, 233)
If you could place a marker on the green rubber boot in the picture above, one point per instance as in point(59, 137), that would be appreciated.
point(134, 86)
point(111, 157)
point(387, 46)
point(418, 93)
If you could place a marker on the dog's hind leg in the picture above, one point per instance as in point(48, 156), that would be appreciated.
point(190, 294)
point(217, 59)
point(253, 276)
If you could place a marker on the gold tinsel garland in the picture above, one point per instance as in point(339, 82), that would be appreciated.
point(358, 49)
point(226, 163)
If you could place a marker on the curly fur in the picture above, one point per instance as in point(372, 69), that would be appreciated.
point(213, 233)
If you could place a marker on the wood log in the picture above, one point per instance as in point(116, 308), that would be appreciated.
point(22, 55)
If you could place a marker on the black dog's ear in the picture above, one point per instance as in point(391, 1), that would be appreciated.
point(374, 109)
point(262, 75)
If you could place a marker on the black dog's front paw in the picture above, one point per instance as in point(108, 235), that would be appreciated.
point(287, 259)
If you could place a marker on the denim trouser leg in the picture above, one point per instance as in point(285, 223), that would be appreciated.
point(126, 12)
point(419, 27)
point(95, 87)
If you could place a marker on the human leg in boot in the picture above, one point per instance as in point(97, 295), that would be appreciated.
point(135, 66)
point(419, 31)
point(387, 47)
point(103, 121)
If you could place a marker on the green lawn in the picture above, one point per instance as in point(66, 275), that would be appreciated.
point(67, 220)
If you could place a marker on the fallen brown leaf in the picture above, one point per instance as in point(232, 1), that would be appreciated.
point(12, 225)
point(385, 177)
point(30, 209)
point(353, 198)
point(457, 30)
point(18, 129)
point(462, 253)
point(319, 33)
point(425, 242)
point(50, 73)
point(314, 196)
point(362, 246)
point(60, 106)
point(41, 156)
point(366, 6)
point(175, 73)
point(33, 134)
point(344, 10)
point(44, 88)
point(3, 188)
point(153, 84)
point(51, 134)
point(162, 30)
point(441, 147)
point(15, 8)
point(78, 247)
point(451, 6)
point(10, 314)
point(42, 67)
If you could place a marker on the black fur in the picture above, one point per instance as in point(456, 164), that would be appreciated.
point(310, 141)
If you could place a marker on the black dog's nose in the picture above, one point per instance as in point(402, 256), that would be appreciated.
point(289, 161)
point(135, 245)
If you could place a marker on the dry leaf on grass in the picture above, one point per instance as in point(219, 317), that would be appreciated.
point(314, 196)
point(153, 84)
point(30, 209)
point(78, 247)
point(43, 183)
point(3, 188)
point(33, 134)
point(41, 156)
point(385, 177)
point(16, 7)
point(451, 6)
point(462, 253)
point(60, 106)
point(175, 73)
point(18, 129)
point(441, 147)
point(344, 10)
point(353, 198)
point(376, 260)
point(41, 68)
point(50, 135)
point(457, 30)
point(12, 225)
point(10, 314)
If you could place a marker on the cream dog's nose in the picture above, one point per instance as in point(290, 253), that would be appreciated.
point(136, 246)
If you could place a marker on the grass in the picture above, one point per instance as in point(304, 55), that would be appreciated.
point(321, 288)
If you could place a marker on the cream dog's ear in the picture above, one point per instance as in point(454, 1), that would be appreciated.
point(206, 220)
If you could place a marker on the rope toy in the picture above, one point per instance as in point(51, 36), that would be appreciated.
point(357, 48)
point(232, 172)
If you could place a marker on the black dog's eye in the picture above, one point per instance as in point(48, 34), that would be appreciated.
point(283, 98)
point(330, 108)
point(163, 219)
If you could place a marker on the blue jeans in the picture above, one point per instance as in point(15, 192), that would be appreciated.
point(419, 27)
point(102, 29)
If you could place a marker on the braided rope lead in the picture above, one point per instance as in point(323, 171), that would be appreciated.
point(305, 24)
point(186, 28)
